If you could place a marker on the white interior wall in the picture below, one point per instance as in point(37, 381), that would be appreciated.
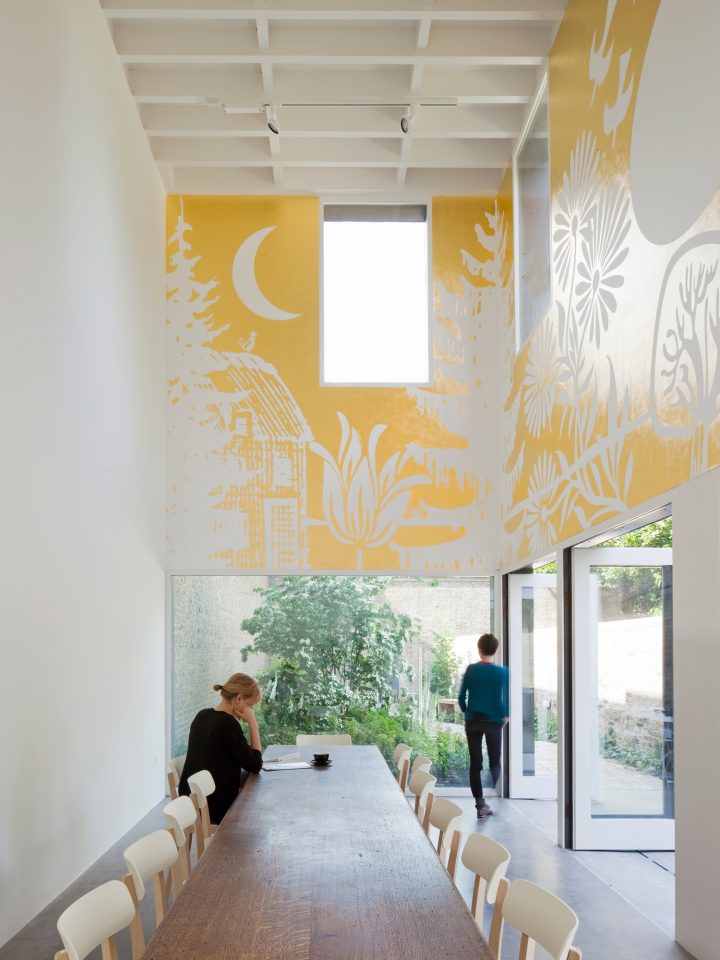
point(82, 423)
point(696, 630)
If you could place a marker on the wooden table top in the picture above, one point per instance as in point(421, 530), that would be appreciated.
point(327, 864)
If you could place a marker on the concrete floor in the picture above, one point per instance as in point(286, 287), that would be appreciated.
point(624, 901)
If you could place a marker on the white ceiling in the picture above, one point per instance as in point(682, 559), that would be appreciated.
point(340, 76)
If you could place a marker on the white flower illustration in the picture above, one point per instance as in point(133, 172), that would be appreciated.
point(538, 525)
point(602, 256)
point(364, 504)
point(575, 204)
point(540, 380)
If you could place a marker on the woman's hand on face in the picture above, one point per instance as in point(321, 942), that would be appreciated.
point(244, 712)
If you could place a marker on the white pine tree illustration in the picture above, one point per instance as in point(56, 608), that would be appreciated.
point(192, 413)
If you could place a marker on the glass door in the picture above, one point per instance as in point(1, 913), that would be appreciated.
point(532, 637)
point(622, 695)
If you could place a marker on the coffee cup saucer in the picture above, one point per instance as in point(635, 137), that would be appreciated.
point(314, 763)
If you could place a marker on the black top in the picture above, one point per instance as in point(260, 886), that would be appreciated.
point(217, 743)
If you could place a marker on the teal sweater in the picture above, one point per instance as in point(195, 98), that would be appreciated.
point(484, 690)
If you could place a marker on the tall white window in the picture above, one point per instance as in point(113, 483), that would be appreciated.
point(375, 295)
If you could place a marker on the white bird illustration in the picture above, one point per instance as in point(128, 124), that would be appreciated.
point(613, 115)
point(247, 345)
point(600, 57)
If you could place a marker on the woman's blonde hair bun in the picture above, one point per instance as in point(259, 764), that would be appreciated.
point(239, 684)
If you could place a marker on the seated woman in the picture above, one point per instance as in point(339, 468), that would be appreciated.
point(218, 744)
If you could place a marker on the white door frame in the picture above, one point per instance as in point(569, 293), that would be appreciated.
point(603, 833)
point(523, 786)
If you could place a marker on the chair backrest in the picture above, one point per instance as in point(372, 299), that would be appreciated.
point(488, 860)
point(402, 761)
point(541, 917)
point(174, 772)
point(399, 750)
point(147, 859)
point(201, 786)
point(95, 919)
point(420, 763)
point(446, 816)
point(318, 739)
point(421, 786)
point(181, 816)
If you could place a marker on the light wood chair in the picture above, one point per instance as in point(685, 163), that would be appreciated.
point(174, 772)
point(320, 739)
point(421, 787)
point(401, 756)
point(446, 817)
point(420, 763)
point(147, 860)
point(488, 860)
point(540, 916)
point(181, 816)
point(202, 786)
point(399, 749)
point(94, 920)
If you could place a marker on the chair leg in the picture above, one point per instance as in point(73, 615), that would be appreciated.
point(160, 894)
point(187, 848)
point(452, 859)
point(177, 872)
point(137, 935)
point(198, 829)
point(498, 921)
point(428, 808)
point(200, 833)
point(172, 789)
point(527, 948)
point(478, 900)
point(404, 775)
point(110, 949)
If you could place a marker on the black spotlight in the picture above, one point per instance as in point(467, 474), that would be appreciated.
point(405, 125)
point(272, 120)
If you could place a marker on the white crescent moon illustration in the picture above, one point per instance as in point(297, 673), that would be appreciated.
point(246, 286)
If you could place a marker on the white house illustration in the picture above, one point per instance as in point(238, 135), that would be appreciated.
point(264, 489)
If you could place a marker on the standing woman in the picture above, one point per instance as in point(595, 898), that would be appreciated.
point(218, 744)
point(484, 701)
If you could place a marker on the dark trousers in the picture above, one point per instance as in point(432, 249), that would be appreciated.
point(476, 727)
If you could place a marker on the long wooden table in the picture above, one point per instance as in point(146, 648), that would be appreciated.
point(320, 864)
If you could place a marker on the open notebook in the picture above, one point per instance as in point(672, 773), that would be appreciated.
point(291, 761)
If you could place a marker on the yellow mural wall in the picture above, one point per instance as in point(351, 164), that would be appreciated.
point(615, 397)
point(270, 471)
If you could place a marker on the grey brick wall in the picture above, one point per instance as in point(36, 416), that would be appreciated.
point(207, 642)
point(451, 608)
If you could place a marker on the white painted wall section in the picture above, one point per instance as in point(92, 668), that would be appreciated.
point(82, 479)
point(696, 629)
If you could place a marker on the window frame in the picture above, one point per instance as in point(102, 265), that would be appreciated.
point(542, 91)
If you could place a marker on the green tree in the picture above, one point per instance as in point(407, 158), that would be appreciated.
point(635, 591)
point(444, 670)
point(335, 649)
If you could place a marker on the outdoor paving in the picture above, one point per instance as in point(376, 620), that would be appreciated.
point(620, 789)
